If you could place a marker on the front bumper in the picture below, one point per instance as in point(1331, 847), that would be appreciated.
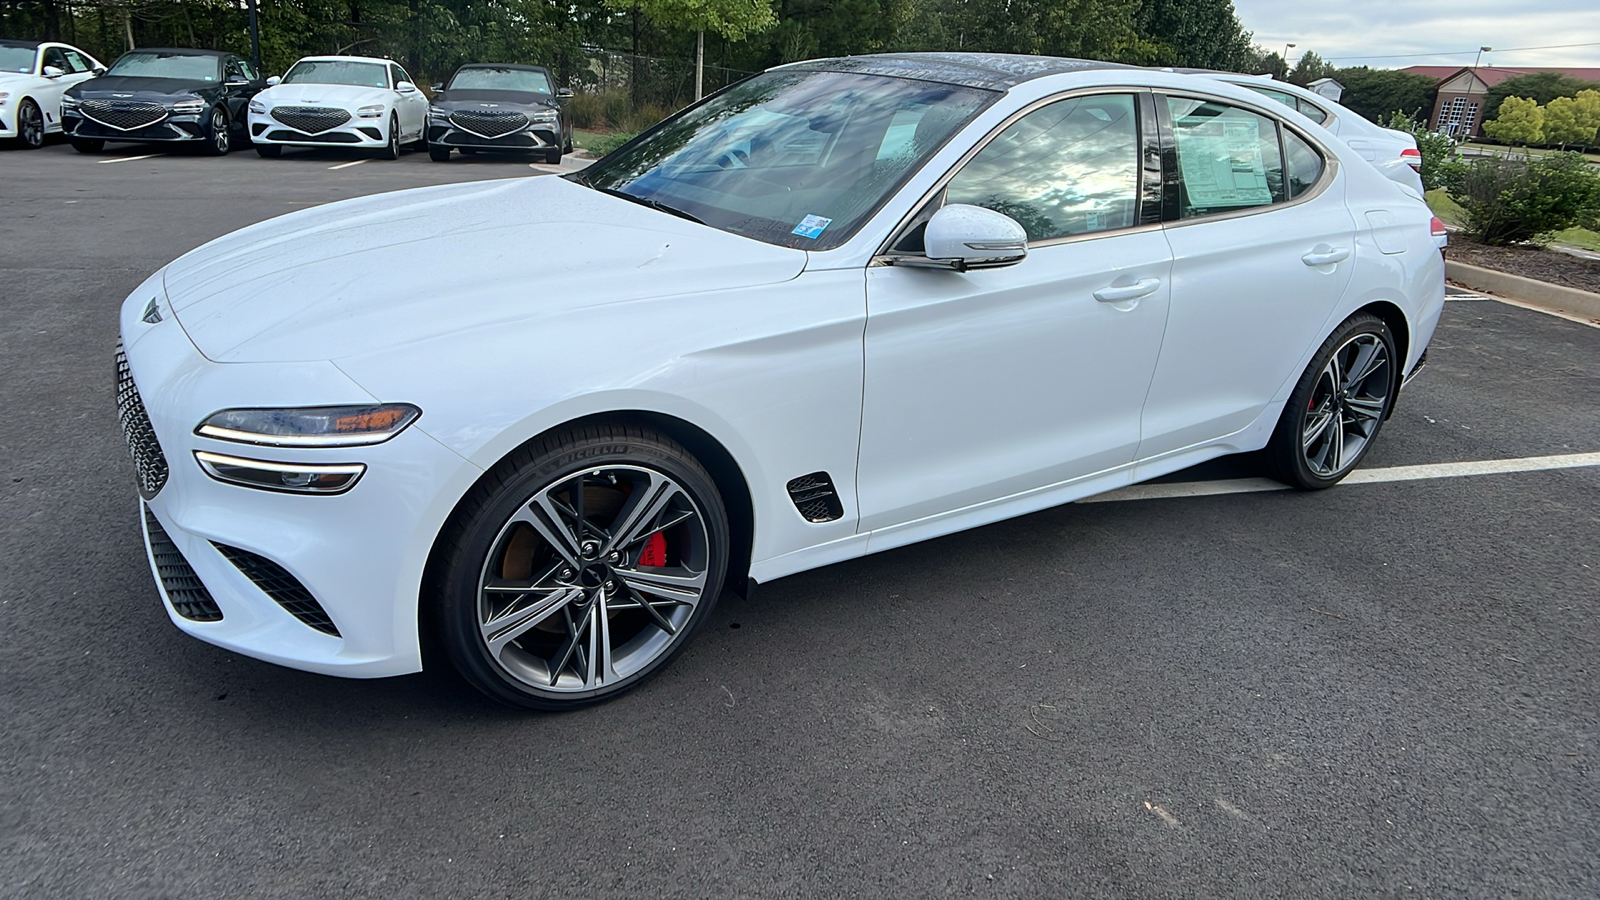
point(172, 128)
point(359, 556)
point(536, 137)
point(357, 132)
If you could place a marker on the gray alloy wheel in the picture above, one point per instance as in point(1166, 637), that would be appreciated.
point(217, 137)
point(580, 570)
point(30, 125)
point(392, 151)
point(1338, 407)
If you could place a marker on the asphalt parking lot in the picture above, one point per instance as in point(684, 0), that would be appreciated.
point(1385, 689)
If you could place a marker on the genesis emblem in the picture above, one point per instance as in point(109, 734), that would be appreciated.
point(152, 312)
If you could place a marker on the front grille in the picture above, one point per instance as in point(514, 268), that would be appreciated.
point(459, 138)
point(185, 591)
point(310, 119)
point(276, 582)
point(124, 115)
point(148, 461)
point(163, 131)
point(488, 124)
point(815, 498)
point(338, 137)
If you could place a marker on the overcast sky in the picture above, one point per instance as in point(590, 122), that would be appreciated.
point(1345, 29)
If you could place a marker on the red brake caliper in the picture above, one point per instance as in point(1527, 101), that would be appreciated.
point(654, 552)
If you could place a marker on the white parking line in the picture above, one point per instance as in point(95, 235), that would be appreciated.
point(347, 165)
point(1360, 476)
point(128, 158)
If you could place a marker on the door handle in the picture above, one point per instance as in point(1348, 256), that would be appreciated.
point(1144, 287)
point(1326, 257)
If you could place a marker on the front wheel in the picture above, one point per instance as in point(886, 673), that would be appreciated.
point(438, 154)
point(30, 125)
point(580, 568)
point(87, 145)
point(1337, 407)
point(392, 150)
point(552, 157)
point(217, 138)
point(269, 151)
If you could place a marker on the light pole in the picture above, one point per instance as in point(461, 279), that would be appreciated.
point(1286, 49)
point(255, 38)
point(1472, 126)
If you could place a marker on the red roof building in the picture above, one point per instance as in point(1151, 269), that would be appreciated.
point(1458, 101)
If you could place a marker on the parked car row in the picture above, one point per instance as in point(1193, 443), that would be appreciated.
point(218, 101)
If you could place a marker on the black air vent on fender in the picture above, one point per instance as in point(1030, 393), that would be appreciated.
point(815, 497)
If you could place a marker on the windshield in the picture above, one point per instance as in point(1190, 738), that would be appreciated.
point(145, 64)
point(16, 59)
point(338, 71)
point(500, 80)
point(797, 159)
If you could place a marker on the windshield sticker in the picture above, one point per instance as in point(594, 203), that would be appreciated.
point(811, 227)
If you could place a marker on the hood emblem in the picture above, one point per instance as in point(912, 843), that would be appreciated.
point(152, 312)
point(122, 96)
point(491, 106)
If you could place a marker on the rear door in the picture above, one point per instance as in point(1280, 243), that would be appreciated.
point(1263, 248)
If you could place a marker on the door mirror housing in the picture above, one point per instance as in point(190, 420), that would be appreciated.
point(563, 93)
point(438, 86)
point(962, 237)
point(98, 71)
point(53, 72)
point(238, 79)
point(274, 81)
point(405, 87)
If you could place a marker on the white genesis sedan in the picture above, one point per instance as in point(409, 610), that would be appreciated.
point(839, 307)
point(340, 101)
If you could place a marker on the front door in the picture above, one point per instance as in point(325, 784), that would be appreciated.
point(983, 384)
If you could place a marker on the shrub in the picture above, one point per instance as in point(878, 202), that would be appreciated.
point(584, 110)
point(1437, 149)
point(606, 143)
point(1507, 200)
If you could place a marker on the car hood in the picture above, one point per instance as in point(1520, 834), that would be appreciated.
point(141, 88)
point(325, 94)
point(372, 274)
point(520, 100)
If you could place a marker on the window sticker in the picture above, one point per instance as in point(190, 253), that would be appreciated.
point(1222, 165)
point(811, 227)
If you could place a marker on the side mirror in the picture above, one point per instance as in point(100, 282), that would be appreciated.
point(405, 87)
point(238, 79)
point(274, 81)
point(563, 93)
point(53, 72)
point(439, 86)
point(98, 71)
point(970, 237)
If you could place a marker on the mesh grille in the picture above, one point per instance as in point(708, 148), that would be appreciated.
point(338, 137)
point(310, 119)
point(276, 582)
point(124, 115)
point(148, 460)
point(815, 498)
point(185, 591)
point(488, 124)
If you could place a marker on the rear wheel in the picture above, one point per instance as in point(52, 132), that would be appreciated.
point(438, 154)
point(269, 151)
point(217, 136)
point(1337, 407)
point(580, 567)
point(87, 145)
point(30, 125)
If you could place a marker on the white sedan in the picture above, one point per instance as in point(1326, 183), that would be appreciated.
point(339, 101)
point(842, 306)
point(33, 76)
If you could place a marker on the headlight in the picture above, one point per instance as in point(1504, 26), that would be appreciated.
point(435, 112)
point(311, 426)
point(256, 106)
point(189, 107)
point(66, 102)
point(543, 117)
point(370, 112)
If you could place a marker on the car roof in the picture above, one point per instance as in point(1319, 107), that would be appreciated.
point(516, 66)
point(29, 45)
point(365, 59)
point(181, 51)
point(987, 71)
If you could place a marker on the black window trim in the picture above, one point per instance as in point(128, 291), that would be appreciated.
point(1152, 154)
point(1171, 213)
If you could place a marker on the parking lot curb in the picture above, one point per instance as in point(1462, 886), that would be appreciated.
point(1528, 291)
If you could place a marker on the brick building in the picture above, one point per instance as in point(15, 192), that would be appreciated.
point(1458, 100)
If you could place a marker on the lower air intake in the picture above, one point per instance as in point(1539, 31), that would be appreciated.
point(276, 582)
point(186, 593)
point(815, 497)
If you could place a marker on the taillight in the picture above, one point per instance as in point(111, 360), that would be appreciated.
point(1437, 227)
point(1412, 157)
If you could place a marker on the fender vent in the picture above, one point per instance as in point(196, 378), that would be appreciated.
point(815, 497)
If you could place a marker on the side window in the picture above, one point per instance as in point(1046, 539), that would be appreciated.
point(1228, 158)
point(1304, 163)
point(398, 74)
point(236, 70)
point(247, 70)
point(1311, 111)
point(1068, 168)
point(54, 57)
point(1279, 96)
point(75, 61)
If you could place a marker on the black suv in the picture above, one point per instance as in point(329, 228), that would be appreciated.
point(491, 106)
point(163, 94)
